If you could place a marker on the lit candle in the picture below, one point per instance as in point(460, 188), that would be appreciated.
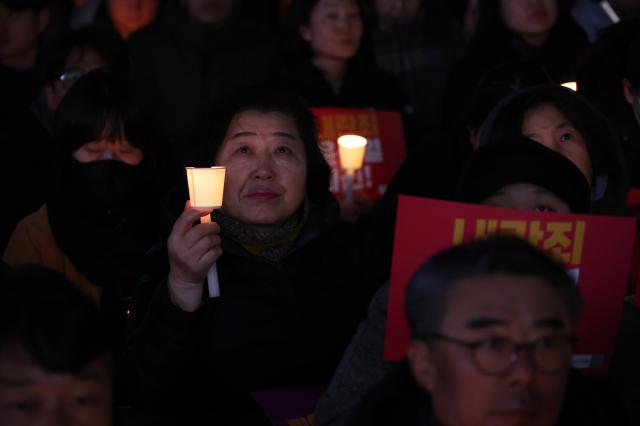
point(351, 149)
point(206, 187)
point(571, 85)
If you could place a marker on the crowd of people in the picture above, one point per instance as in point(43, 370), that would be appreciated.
point(105, 312)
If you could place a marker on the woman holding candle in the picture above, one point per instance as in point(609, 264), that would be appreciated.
point(289, 295)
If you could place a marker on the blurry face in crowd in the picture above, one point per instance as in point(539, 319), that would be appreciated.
point(401, 10)
point(31, 395)
point(548, 126)
point(19, 30)
point(334, 30)
point(488, 309)
point(531, 19)
point(527, 196)
point(80, 61)
point(209, 11)
point(102, 149)
point(129, 16)
point(266, 174)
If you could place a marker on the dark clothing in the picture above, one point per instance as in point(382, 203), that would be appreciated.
point(431, 171)
point(420, 55)
point(397, 400)
point(25, 164)
point(275, 325)
point(362, 86)
point(180, 68)
point(20, 85)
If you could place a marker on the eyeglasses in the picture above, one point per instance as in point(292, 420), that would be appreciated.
point(69, 77)
point(496, 355)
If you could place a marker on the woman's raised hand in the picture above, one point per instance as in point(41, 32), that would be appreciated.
point(193, 249)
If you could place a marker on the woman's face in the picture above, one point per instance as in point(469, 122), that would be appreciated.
point(531, 19)
point(334, 30)
point(120, 150)
point(548, 126)
point(129, 16)
point(266, 163)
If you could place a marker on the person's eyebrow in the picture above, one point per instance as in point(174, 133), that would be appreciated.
point(284, 135)
point(242, 134)
point(565, 124)
point(486, 322)
point(540, 190)
point(555, 323)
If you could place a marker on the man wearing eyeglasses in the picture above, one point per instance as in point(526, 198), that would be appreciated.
point(491, 341)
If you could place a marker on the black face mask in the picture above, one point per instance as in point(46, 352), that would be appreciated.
point(105, 182)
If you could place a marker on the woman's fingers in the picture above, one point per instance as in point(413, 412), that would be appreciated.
point(198, 232)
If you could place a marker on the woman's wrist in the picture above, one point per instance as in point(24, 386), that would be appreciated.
point(185, 295)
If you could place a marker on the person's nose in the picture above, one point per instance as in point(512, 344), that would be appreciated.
point(264, 169)
point(56, 415)
point(521, 374)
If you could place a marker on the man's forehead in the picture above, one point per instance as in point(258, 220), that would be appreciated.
point(502, 299)
point(19, 367)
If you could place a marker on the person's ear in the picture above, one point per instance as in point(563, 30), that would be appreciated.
point(627, 89)
point(42, 18)
point(305, 33)
point(421, 362)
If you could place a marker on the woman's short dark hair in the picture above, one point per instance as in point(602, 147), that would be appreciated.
point(57, 324)
point(99, 106)
point(428, 292)
point(288, 104)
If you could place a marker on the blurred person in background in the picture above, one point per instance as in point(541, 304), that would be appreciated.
point(21, 25)
point(201, 52)
point(103, 213)
point(538, 31)
point(74, 54)
point(55, 364)
point(331, 67)
point(418, 42)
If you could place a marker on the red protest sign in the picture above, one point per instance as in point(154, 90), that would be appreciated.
point(385, 147)
point(596, 250)
point(633, 198)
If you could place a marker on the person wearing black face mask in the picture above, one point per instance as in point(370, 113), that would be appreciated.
point(101, 216)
